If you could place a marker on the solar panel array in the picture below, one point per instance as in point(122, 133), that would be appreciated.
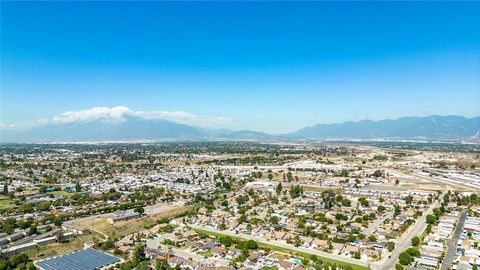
point(85, 259)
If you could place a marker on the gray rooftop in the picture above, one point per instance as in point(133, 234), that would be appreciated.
point(85, 259)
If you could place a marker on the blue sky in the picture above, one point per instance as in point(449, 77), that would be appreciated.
point(264, 66)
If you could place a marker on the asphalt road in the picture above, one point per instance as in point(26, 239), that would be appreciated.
point(406, 241)
point(288, 246)
point(156, 244)
point(448, 181)
point(452, 242)
point(373, 227)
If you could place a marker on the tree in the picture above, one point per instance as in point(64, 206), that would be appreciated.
point(57, 221)
point(241, 199)
point(390, 246)
point(33, 230)
point(377, 173)
point(431, 219)
point(343, 173)
point(414, 252)
point(397, 210)
point(473, 198)
point(415, 241)
point(356, 255)
point(139, 210)
point(225, 240)
point(398, 267)
point(372, 238)
point(405, 258)
point(409, 199)
point(251, 244)
point(25, 208)
point(296, 191)
point(162, 265)
point(289, 176)
point(61, 237)
point(20, 261)
point(327, 198)
point(78, 187)
point(270, 176)
point(242, 219)
point(363, 201)
point(397, 181)
point(278, 189)
point(274, 220)
point(346, 202)
point(145, 265)
point(139, 254)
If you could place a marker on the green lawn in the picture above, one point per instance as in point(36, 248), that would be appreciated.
point(321, 189)
point(6, 203)
point(56, 249)
point(205, 253)
point(61, 193)
point(285, 250)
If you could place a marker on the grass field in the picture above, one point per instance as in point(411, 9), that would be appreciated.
point(61, 193)
point(99, 227)
point(206, 253)
point(286, 250)
point(120, 229)
point(6, 203)
point(61, 248)
point(321, 189)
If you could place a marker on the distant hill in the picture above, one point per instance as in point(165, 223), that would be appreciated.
point(240, 135)
point(430, 127)
point(139, 129)
point(131, 129)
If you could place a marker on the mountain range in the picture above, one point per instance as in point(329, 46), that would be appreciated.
point(139, 129)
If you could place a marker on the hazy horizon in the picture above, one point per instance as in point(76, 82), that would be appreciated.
point(122, 113)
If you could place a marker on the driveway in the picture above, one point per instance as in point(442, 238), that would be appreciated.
point(452, 242)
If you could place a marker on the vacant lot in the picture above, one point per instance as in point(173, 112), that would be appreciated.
point(120, 229)
point(61, 248)
point(61, 193)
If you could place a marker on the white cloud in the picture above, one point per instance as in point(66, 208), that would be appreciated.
point(118, 113)
point(96, 113)
point(7, 125)
point(184, 117)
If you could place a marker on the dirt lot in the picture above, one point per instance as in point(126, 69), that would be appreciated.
point(120, 229)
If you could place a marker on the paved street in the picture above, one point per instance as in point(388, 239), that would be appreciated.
point(452, 242)
point(404, 243)
point(155, 242)
point(373, 227)
point(448, 181)
point(288, 246)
